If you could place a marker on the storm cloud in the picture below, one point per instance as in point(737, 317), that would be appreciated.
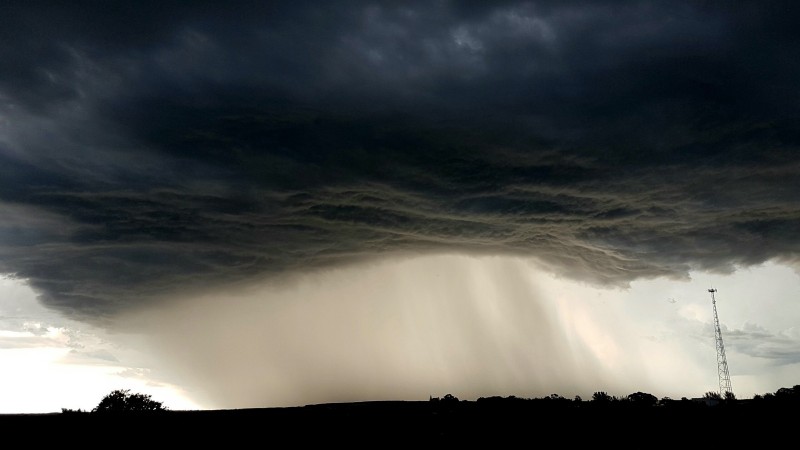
point(152, 148)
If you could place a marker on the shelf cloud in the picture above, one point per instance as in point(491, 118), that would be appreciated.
point(165, 147)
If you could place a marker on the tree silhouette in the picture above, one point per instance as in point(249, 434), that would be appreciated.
point(642, 399)
point(601, 397)
point(788, 394)
point(450, 398)
point(121, 400)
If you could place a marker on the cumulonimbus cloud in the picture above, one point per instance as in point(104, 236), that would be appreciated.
point(181, 146)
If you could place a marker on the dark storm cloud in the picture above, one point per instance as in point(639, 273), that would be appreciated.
point(152, 148)
point(755, 340)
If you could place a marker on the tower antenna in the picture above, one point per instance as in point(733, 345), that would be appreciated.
point(722, 362)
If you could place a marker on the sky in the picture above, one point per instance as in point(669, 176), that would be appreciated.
point(282, 203)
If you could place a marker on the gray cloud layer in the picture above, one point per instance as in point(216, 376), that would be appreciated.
point(150, 149)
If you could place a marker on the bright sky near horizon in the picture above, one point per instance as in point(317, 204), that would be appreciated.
point(572, 339)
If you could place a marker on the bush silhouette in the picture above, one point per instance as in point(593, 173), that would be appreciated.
point(601, 397)
point(642, 399)
point(121, 400)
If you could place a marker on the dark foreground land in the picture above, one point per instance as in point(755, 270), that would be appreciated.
point(494, 421)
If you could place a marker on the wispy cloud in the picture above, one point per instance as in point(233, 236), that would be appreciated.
point(781, 347)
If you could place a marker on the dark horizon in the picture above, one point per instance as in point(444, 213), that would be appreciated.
point(630, 422)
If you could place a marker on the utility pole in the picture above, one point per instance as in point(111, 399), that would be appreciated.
point(722, 362)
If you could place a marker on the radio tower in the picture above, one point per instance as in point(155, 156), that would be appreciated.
point(722, 362)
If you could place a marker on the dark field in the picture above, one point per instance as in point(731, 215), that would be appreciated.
point(493, 421)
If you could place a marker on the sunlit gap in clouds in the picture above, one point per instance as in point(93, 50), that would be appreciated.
point(405, 329)
point(49, 362)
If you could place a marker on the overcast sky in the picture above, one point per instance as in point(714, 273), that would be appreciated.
point(344, 192)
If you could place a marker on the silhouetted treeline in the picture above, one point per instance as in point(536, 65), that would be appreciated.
point(633, 421)
point(122, 401)
point(602, 400)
